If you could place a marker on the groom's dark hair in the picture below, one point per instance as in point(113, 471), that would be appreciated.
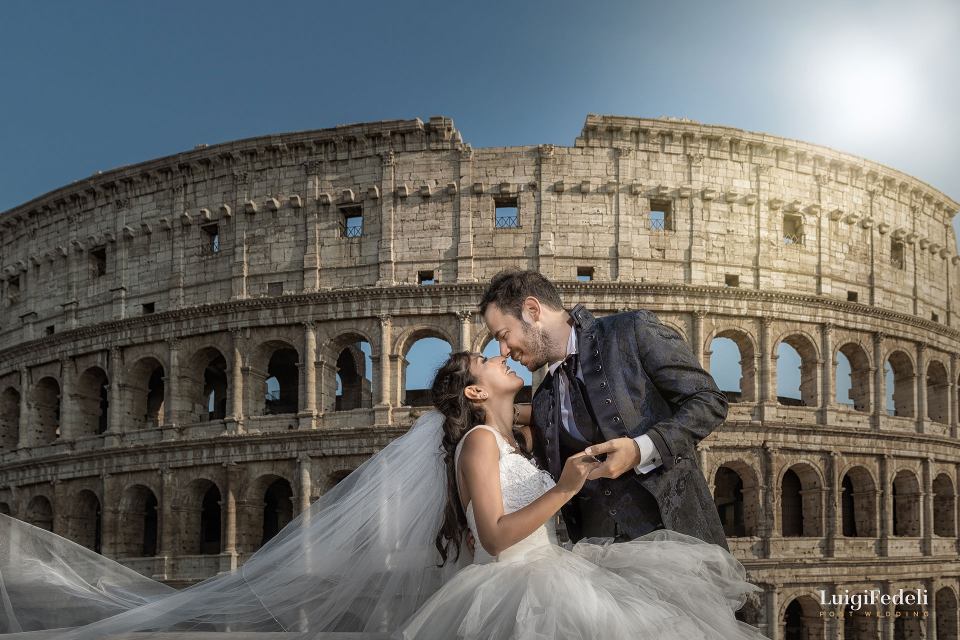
point(508, 289)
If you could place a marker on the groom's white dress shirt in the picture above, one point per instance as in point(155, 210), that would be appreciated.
point(649, 456)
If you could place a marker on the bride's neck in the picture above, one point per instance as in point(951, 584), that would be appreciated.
point(499, 414)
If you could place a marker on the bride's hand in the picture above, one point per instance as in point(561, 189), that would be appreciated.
point(622, 455)
point(575, 472)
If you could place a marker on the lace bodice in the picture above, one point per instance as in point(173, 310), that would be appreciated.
point(521, 482)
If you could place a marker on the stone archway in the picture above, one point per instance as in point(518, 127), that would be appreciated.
point(145, 389)
point(858, 503)
point(91, 402)
point(40, 513)
point(736, 494)
point(45, 422)
point(137, 533)
point(9, 419)
point(86, 520)
point(901, 393)
point(801, 503)
point(802, 621)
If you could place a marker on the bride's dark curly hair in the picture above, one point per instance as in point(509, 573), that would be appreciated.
point(461, 414)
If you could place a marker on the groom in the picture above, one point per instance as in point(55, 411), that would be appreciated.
point(623, 385)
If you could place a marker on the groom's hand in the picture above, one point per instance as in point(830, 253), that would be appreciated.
point(623, 454)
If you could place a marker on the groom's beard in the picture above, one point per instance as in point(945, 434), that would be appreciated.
point(539, 345)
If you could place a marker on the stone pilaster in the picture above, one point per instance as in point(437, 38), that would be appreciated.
point(387, 202)
point(308, 373)
point(886, 504)
point(68, 401)
point(25, 438)
point(926, 506)
point(465, 317)
point(696, 338)
point(304, 489)
point(171, 389)
point(879, 382)
point(921, 381)
point(115, 408)
point(828, 367)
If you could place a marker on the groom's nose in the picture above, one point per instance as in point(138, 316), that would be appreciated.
point(504, 349)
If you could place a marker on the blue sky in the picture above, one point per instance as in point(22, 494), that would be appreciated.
point(90, 86)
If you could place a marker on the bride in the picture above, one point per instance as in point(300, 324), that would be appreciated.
point(522, 583)
point(385, 551)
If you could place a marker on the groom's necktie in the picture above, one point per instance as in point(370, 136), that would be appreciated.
point(578, 393)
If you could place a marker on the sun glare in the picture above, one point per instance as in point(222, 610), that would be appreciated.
point(864, 91)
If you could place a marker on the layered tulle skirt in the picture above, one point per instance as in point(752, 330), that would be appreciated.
point(663, 585)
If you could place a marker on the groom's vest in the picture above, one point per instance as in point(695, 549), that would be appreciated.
point(588, 512)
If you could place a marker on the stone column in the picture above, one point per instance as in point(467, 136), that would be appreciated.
point(833, 623)
point(697, 338)
point(921, 378)
point(383, 410)
point(886, 505)
point(828, 392)
point(768, 394)
point(235, 412)
point(68, 408)
point(387, 274)
point(311, 254)
point(465, 318)
point(879, 381)
point(952, 400)
point(305, 489)
point(926, 511)
point(464, 200)
point(773, 612)
point(888, 621)
point(931, 586)
point(24, 440)
point(62, 510)
point(230, 516)
point(171, 383)
point(549, 203)
point(771, 518)
point(834, 510)
point(308, 405)
point(622, 229)
point(114, 420)
point(110, 514)
point(956, 491)
point(167, 524)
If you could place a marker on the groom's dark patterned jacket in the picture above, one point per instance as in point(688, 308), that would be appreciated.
point(641, 377)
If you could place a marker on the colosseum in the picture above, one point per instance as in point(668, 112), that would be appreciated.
point(196, 347)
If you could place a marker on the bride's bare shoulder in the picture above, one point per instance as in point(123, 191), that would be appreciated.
point(479, 436)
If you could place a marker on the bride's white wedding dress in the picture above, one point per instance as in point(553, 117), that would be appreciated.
point(664, 584)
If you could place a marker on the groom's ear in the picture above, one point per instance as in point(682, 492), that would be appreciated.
point(530, 311)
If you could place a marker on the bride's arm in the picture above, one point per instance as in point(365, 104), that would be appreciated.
point(480, 463)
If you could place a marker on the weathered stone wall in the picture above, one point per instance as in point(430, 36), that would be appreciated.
point(135, 349)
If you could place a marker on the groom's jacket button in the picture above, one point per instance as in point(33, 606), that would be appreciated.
point(599, 367)
point(616, 418)
point(613, 512)
point(596, 352)
point(603, 384)
point(679, 458)
point(607, 492)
